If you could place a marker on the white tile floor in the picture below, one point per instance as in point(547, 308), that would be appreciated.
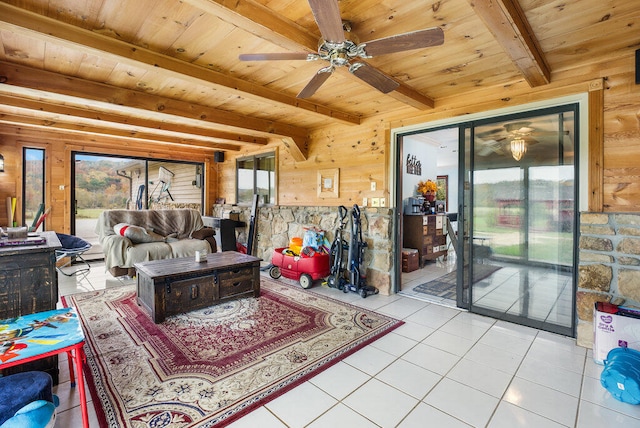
point(442, 368)
point(542, 295)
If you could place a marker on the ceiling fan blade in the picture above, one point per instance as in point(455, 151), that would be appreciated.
point(374, 77)
point(320, 77)
point(404, 42)
point(289, 56)
point(327, 16)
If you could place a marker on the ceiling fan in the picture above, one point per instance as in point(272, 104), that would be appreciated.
point(339, 51)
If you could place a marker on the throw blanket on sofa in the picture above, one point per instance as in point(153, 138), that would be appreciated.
point(179, 224)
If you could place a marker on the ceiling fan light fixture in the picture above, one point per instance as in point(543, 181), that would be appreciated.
point(518, 148)
point(339, 49)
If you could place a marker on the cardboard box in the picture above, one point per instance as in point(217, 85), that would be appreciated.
point(614, 326)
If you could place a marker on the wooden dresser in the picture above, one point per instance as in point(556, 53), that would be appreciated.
point(427, 234)
point(29, 284)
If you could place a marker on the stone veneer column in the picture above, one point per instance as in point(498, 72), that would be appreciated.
point(608, 267)
point(278, 224)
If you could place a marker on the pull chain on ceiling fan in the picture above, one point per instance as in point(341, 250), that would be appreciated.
point(341, 52)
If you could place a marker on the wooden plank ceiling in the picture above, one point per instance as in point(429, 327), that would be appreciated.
point(167, 71)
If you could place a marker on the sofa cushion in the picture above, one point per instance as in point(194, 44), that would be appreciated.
point(137, 234)
point(145, 252)
point(188, 247)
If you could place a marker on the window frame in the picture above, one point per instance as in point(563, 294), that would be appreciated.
point(255, 158)
point(43, 190)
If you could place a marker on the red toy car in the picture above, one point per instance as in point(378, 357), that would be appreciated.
point(306, 268)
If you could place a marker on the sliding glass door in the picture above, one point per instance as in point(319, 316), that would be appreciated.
point(102, 182)
point(519, 218)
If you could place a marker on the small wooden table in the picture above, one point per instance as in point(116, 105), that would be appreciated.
point(44, 334)
point(171, 286)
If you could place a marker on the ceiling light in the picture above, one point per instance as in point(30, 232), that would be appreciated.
point(518, 148)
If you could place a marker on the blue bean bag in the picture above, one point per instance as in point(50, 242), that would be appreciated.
point(27, 400)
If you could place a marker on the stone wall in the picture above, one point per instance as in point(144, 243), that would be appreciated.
point(278, 224)
point(609, 266)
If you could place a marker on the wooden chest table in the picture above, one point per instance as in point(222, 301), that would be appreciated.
point(171, 286)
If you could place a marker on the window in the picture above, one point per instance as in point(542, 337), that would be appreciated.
point(256, 174)
point(103, 182)
point(33, 186)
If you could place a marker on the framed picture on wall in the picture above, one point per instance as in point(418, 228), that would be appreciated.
point(442, 193)
point(328, 182)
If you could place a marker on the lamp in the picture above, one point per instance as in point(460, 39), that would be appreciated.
point(1, 163)
point(518, 148)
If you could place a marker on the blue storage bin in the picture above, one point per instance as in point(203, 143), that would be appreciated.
point(621, 375)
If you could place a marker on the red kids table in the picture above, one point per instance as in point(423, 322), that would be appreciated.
point(44, 334)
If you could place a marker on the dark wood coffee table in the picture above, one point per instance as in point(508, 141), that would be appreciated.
point(171, 286)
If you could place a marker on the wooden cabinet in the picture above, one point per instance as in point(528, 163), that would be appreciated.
point(427, 234)
point(168, 287)
point(29, 284)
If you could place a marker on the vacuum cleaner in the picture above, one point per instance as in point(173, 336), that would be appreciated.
point(357, 277)
point(336, 277)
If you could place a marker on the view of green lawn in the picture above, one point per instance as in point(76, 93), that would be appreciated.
point(89, 212)
point(544, 245)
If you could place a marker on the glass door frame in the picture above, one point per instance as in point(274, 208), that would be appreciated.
point(395, 162)
point(467, 138)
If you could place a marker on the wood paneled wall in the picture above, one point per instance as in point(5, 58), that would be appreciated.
point(359, 152)
point(622, 143)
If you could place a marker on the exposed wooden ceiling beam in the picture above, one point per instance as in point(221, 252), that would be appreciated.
point(31, 119)
point(27, 77)
point(16, 19)
point(109, 143)
point(295, 138)
point(38, 100)
point(261, 21)
point(506, 20)
point(266, 24)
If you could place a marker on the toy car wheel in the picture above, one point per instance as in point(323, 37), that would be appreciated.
point(274, 272)
point(306, 281)
point(363, 293)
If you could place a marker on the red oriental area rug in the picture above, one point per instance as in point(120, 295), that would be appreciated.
point(207, 367)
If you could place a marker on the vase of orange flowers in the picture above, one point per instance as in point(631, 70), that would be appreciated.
point(428, 189)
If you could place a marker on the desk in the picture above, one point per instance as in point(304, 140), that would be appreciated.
point(226, 235)
point(44, 334)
